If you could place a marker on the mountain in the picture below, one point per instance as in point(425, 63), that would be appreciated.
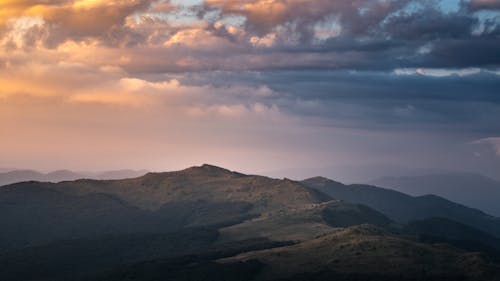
point(117, 174)
point(244, 206)
point(205, 183)
point(210, 223)
point(33, 213)
point(404, 208)
point(15, 176)
point(27, 175)
point(472, 190)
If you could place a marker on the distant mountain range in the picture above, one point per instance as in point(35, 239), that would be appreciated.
point(14, 176)
point(472, 190)
point(405, 208)
point(210, 223)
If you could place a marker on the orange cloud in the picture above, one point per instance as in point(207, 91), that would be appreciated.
point(266, 13)
point(14, 8)
point(77, 20)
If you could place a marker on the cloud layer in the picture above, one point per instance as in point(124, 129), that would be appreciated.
point(280, 82)
point(158, 36)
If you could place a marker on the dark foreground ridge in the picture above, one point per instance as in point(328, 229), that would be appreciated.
point(210, 223)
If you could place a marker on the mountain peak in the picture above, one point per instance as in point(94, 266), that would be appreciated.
point(210, 170)
point(212, 167)
point(321, 181)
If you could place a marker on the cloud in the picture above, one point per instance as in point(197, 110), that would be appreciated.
point(453, 100)
point(364, 34)
point(477, 5)
point(78, 20)
point(429, 23)
point(263, 16)
point(494, 142)
point(152, 36)
point(233, 111)
point(312, 76)
point(77, 83)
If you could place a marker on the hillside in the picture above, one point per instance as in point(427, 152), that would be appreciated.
point(368, 253)
point(404, 208)
point(361, 253)
point(464, 188)
point(305, 224)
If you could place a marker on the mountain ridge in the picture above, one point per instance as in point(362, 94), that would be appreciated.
point(404, 208)
point(465, 188)
point(185, 225)
point(155, 189)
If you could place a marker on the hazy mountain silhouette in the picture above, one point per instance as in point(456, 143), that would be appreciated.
point(472, 190)
point(29, 175)
point(15, 176)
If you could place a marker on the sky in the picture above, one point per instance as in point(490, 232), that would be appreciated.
point(352, 90)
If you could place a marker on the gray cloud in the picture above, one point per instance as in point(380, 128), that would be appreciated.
point(371, 34)
point(466, 105)
point(477, 5)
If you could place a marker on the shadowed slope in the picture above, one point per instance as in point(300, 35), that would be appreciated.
point(32, 213)
point(404, 208)
point(35, 213)
point(472, 190)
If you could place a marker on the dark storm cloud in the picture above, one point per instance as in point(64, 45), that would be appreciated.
point(372, 34)
point(429, 24)
point(423, 38)
point(467, 104)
